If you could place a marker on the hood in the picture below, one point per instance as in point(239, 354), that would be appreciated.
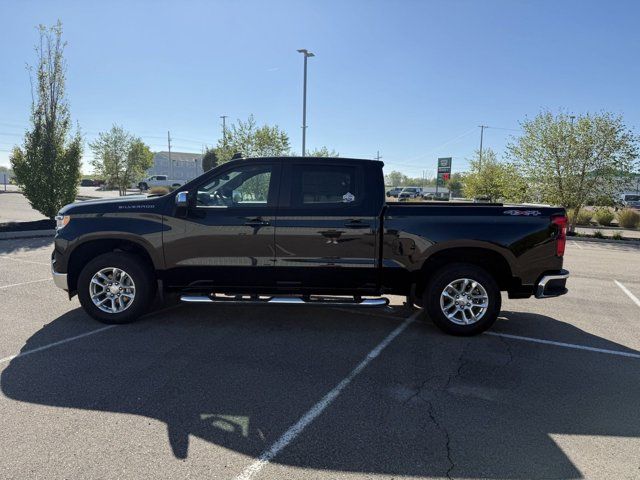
point(116, 204)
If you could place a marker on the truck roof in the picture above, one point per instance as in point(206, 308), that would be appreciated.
point(311, 159)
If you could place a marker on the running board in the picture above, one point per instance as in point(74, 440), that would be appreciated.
point(262, 300)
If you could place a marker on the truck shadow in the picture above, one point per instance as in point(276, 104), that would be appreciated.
point(239, 377)
point(19, 245)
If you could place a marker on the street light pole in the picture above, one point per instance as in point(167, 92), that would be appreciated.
point(306, 54)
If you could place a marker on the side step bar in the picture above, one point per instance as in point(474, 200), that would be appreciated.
point(263, 300)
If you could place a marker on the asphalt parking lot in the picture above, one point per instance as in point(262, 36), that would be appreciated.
point(192, 391)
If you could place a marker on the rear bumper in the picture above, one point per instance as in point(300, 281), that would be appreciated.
point(59, 279)
point(552, 284)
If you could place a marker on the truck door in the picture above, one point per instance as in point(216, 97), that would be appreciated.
point(326, 232)
point(226, 239)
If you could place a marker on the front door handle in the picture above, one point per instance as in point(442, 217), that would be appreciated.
point(256, 222)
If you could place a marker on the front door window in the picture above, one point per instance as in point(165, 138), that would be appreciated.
point(242, 187)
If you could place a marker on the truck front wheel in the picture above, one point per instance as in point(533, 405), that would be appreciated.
point(116, 287)
point(462, 299)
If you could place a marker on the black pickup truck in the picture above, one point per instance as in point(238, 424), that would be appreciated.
point(311, 231)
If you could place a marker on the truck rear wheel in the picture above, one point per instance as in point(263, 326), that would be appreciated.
point(462, 299)
point(116, 287)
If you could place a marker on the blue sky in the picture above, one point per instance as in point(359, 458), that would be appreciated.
point(412, 79)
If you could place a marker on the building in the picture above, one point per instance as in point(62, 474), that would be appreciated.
point(183, 166)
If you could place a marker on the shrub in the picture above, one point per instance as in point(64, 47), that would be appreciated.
point(598, 234)
point(628, 218)
point(604, 216)
point(583, 218)
point(617, 236)
point(159, 190)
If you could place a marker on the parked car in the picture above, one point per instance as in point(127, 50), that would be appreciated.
point(410, 192)
point(301, 231)
point(87, 182)
point(631, 200)
point(394, 192)
point(158, 181)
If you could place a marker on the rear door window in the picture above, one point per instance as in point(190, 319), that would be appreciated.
point(325, 185)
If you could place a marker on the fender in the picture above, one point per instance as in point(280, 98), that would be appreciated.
point(142, 229)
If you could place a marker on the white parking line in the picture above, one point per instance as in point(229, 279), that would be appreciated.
point(296, 429)
point(25, 283)
point(573, 242)
point(629, 294)
point(565, 345)
point(54, 344)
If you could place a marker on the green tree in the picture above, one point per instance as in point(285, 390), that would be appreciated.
point(47, 166)
point(399, 179)
point(493, 179)
point(121, 158)
point(568, 159)
point(247, 138)
point(455, 184)
point(395, 179)
point(323, 152)
point(209, 159)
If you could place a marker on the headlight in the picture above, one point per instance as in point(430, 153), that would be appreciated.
point(61, 221)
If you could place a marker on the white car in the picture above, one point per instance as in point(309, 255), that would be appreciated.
point(631, 200)
point(158, 181)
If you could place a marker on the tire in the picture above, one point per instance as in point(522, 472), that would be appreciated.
point(461, 321)
point(138, 280)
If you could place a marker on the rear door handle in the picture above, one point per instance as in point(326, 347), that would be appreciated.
point(356, 224)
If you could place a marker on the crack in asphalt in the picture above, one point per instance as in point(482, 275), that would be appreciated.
point(509, 351)
point(462, 362)
point(445, 432)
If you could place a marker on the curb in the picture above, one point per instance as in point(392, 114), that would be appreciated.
point(628, 241)
point(27, 234)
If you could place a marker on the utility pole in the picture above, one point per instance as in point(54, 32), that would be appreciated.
point(378, 157)
point(170, 162)
point(482, 127)
point(224, 129)
point(306, 54)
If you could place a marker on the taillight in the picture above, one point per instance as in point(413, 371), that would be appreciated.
point(560, 222)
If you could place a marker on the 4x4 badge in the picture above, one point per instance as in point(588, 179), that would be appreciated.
point(527, 213)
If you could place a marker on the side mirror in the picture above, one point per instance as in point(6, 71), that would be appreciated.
point(182, 199)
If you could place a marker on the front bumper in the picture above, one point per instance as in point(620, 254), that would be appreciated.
point(59, 279)
point(552, 284)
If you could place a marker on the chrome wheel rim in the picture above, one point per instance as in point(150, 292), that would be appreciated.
point(112, 290)
point(464, 301)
